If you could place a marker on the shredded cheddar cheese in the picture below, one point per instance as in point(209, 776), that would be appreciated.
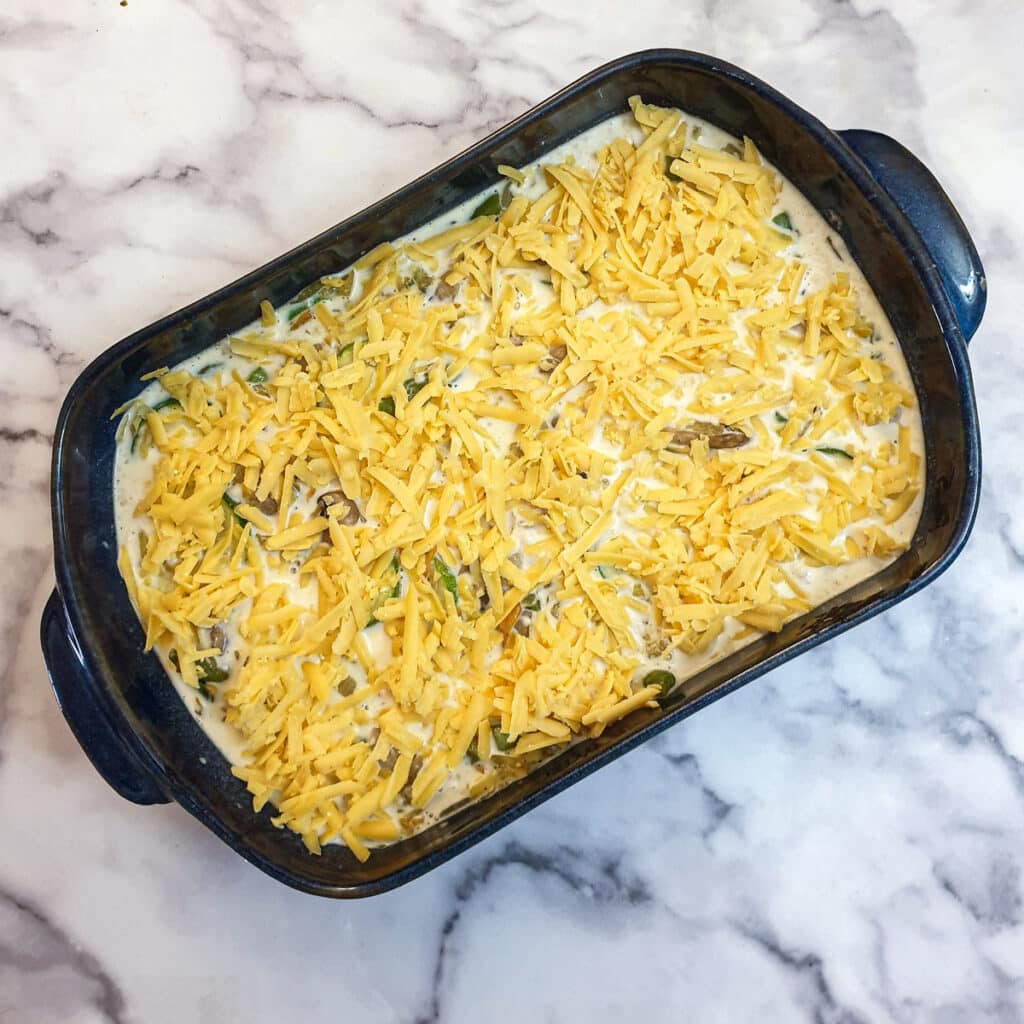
point(476, 488)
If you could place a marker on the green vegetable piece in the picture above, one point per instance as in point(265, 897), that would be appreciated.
point(387, 404)
point(417, 278)
point(140, 425)
point(387, 595)
point(413, 386)
point(348, 351)
point(232, 505)
point(668, 169)
point(501, 740)
point(472, 753)
point(490, 207)
point(204, 370)
point(342, 288)
point(447, 577)
point(779, 418)
point(531, 603)
point(210, 671)
point(258, 376)
point(838, 453)
point(782, 220)
point(661, 678)
point(311, 298)
point(167, 403)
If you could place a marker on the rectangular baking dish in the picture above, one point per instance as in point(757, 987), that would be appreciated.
point(898, 223)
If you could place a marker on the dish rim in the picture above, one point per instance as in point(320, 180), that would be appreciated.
point(895, 221)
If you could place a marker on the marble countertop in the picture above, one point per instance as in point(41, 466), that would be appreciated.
point(839, 842)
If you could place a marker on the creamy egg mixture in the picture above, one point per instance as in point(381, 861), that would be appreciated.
point(516, 475)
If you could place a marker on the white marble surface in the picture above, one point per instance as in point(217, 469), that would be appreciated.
point(840, 842)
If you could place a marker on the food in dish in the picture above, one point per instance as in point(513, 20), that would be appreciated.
point(515, 476)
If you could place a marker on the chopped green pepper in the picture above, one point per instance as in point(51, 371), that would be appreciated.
point(490, 207)
point(204, 370)
point(531, 603)
point(387, 595)
point(447, 577)
point(167, 403)
point(839, 453)
point(413, 386)
point(387, 404)
point(140, 425)
point(669, 173)
point(661, 678)
point(258, 376)
point(472, 753)
point(232, 506)
point(418, 277)
point(501, 740)
point(779, 418)
point(782, 220)
point(317, 292)
point(209, 671)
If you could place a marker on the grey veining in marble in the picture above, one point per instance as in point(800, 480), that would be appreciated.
point(841, 842)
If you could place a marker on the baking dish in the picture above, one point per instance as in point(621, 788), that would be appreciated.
point(898, 223)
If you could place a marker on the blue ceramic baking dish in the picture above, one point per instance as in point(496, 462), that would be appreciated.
point(898, 223)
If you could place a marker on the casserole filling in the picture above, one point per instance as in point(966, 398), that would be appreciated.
point(515, 476)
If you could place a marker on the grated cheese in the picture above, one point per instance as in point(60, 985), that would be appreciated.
point(445, 512)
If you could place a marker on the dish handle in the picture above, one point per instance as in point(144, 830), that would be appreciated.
point(75, 691)
point(925, 204)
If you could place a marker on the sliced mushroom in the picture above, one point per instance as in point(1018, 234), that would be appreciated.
point(218, 639)
point(555, 355)
point(516, 339)
point(414, 770)
point(388, 764)
point(523, 623)
point(516, 620)
point(268, 506)
point(719, 435)
point(351, 514)
point(445, 292)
